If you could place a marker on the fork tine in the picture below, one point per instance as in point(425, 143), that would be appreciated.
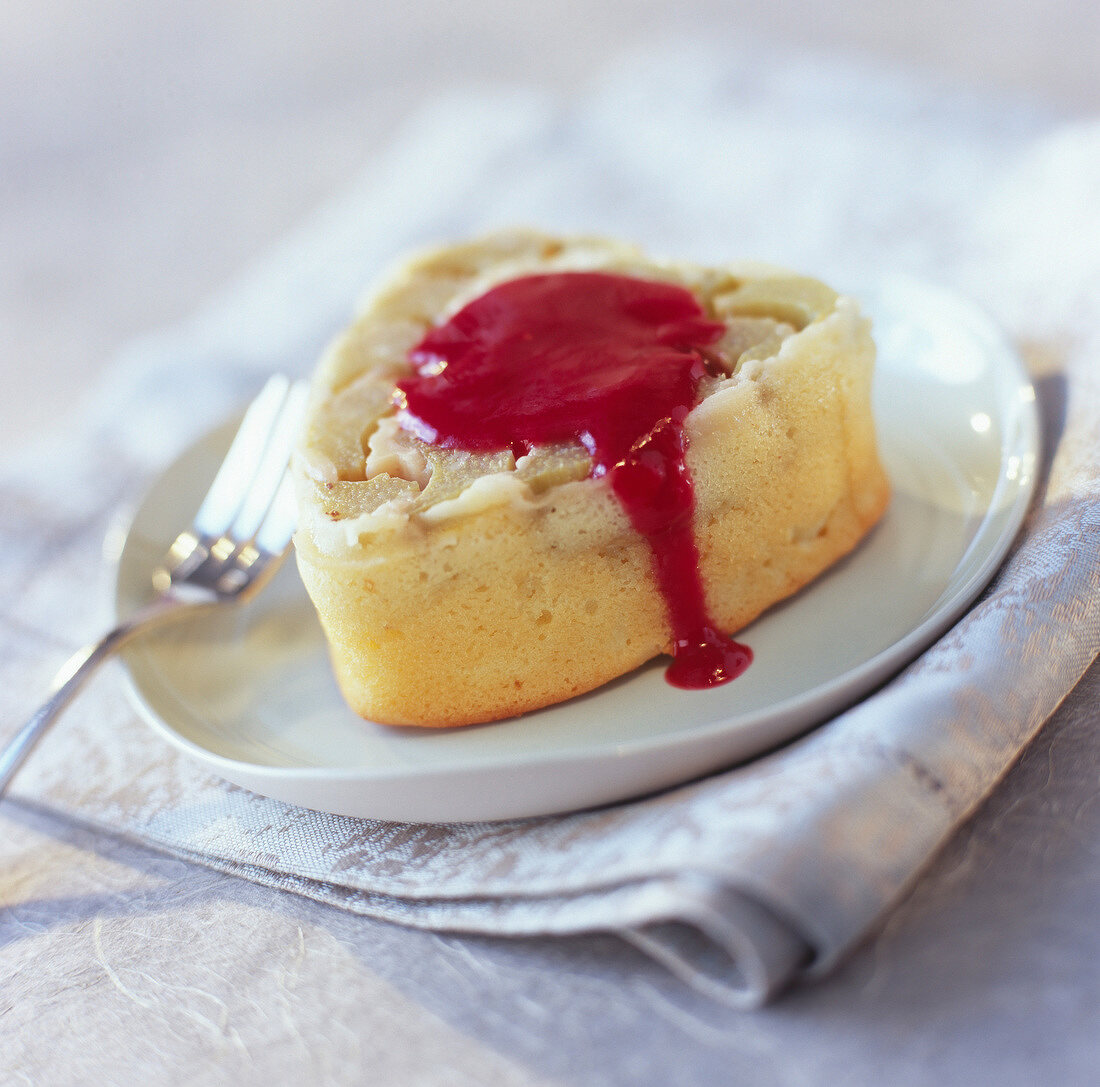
point(219, 539)
point(243, 559)
point(279, 524)
point(272, 466)
point(226, 495)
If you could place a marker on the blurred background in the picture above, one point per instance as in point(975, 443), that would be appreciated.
point(149, 151)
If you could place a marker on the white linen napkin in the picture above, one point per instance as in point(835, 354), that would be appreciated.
point(752, 877)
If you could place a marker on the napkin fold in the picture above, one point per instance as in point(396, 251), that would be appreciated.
point(766, 872)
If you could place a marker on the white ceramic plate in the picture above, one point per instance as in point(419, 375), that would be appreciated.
point(249, 692)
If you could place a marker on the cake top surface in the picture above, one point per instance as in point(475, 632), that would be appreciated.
point(375, 463)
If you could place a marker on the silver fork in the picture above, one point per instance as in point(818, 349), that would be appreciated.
point(235, 543)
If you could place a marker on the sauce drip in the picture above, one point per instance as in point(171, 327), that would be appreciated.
point(608, 360)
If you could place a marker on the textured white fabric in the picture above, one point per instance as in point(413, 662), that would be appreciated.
point(779, 865)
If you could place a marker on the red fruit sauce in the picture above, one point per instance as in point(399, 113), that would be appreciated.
point(608, 360)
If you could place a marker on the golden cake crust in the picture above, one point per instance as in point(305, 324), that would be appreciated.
point(458, 588)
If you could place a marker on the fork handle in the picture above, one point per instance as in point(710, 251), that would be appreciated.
point(75, 673)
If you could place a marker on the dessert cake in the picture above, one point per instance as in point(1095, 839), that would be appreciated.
point(532, 464)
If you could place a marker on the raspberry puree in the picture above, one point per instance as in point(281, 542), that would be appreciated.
point(608, 360)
